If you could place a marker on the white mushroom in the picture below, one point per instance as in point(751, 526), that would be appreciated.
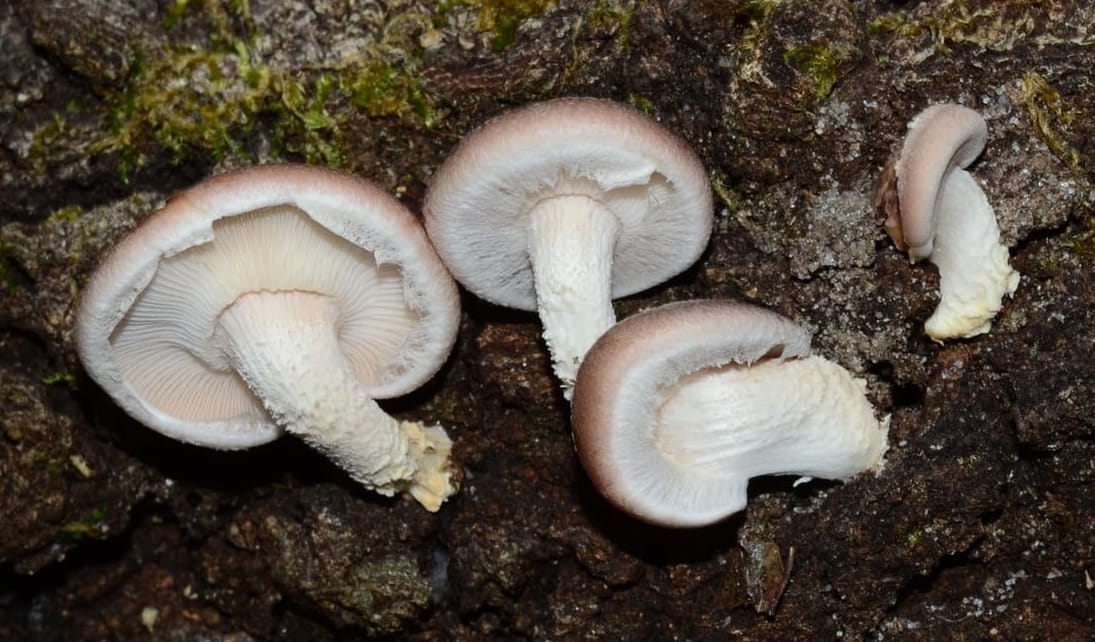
point(677, 407)
point(564, 205)
point(936, 210)
point(279, 298)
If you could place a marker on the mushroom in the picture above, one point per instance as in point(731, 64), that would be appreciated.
point(935, 210)
point(564, 205)
point(677, 407)
point(279, 298)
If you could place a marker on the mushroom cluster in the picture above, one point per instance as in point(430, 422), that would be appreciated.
point(676, 407)
point(561, 207)
point(284, 298)
point(279, 298)
point(564, 205)
point(935, 210)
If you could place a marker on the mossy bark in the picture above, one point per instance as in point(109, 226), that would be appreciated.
point(979, 525)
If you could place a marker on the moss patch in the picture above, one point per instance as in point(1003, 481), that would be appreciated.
point(503, 17)
point(1050, 116)
point(996, 25)
point(210, 98)
point(614, 17)
point(819, 64)
point(90, 528)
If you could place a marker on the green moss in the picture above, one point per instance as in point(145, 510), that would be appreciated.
point(948, 22)
point(188, 101)
point(207, 99)
point(728, 198)
point(1050, 116)
point(67, 213)
point(750, 45)
point(1082, 244)
point(53, 132)
point(85, 529)
point(614, 17)
point(953, 23)
point(997, 26)
point(891, 23)
point(757, 14)
point(642, 103)
point(174, 14)
point(380, 89)
point(819, 64)
point(59, 378)
point(502, 18)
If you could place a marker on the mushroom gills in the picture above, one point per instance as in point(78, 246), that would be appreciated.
point(162, 346)
point(677, 407)
point(281, 350)
point(563, 205)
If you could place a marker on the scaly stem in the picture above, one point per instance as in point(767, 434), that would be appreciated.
point(806, 417)
point(974, 275)
point(571, 239)
point(285, 346)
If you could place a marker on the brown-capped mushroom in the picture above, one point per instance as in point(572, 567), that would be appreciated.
point(565, 205)
point(677, 407)
point(935, 210)
point(279, 298)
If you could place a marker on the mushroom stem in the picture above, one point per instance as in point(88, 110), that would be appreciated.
point(974, 274)
point(721, 423)
point(570, 243)
point(285, 345)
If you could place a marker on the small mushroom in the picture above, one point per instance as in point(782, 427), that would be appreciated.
point(563, 206)
point(677, 407)
point(279, 298)
point(935, 210)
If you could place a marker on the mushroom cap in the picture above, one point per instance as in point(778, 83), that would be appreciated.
point(622, 383)
point(477, 205)
point(146, 325)
point(939, 139)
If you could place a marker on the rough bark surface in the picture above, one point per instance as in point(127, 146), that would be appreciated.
point(979, 527)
